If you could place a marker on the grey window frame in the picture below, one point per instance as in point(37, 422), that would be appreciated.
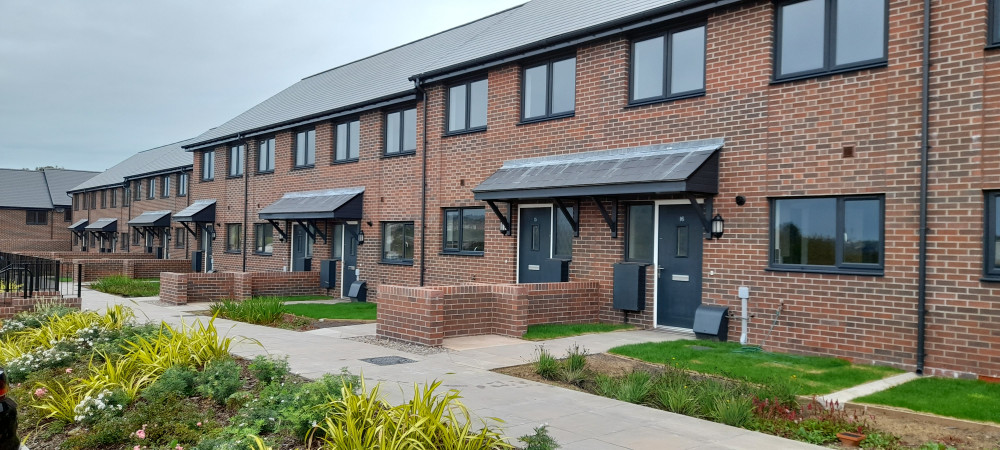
point(165, 189)
point(402, 132)
point(114, 197)
point(829, 43)
point(126, 195)
point(667, 37)
point(208, 165)
point(993, 24)
point(839, 266)
point(76, 202)
point(151, 188)
point(67, 215)
point(628, 235)
point(93, 200)
point(265, 163)
point(182, 184)
point(461, 231)
point(468, 107)
point(399, 261)
point(991, 271)
point(258, 246)
point(347, 141)
point(548, 88)
point(125, 242)
point(557, 217)
point(239, 241)
point(295, 149)
point(31, 217)
point(236, 161)
point(180, 237)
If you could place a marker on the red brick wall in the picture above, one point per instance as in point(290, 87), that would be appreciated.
point(95, 269)
point(34, 245)
point(12, 305)
point(16, 234)
point(185, 288)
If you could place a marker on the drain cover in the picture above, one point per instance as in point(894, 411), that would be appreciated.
point(699, 347)
point(388, 360)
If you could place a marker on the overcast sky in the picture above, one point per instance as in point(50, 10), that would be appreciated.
point(85, 84)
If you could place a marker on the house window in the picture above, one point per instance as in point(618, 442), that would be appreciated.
point(348, 141)
point(827, 234)
point(182, 184)
point(151, 193)
point(464, 230)
point(549, 90)
point(180, 237)
point(236, 160)
point(67, 215)
point(93, 200)
point(234, 237)
point(562, 234)
point(114, 198)
point(467, 106)
point(397, 242)
point(104, 199)
point(669, 65)
point(337, 250)
point(126, 195)
point(124, 241)
point(993, 35)
point(823, 36)
point(401, 132)
point(137, 192)
point(37, 217)
point(992, 253)
point(165, 192)
point(135, 239)
point(265, 155)
point(639, 233)
point(263, 238)
point(208, 165)
point(76, 202)
point(305, 148)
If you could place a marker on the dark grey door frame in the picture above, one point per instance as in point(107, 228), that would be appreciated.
point(544, 244)
point(678, 267)
point(349, 259)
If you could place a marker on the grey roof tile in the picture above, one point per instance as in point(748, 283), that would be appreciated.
point(157, 159)
point(61, 180)
point(23, 189)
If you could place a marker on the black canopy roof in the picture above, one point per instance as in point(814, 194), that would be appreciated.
point(199, 211)
point(654, 169)
point(345, 203)
point(79, 225)
point(105, 225)
point(159, 219)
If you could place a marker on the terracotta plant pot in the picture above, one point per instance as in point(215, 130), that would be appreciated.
point(850, 439)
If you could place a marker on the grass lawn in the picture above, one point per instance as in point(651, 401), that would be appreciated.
point(127, 287)
point(809, 374)
point(963, 399)
point(558, 330)
point(345, 311)
point(304, 298)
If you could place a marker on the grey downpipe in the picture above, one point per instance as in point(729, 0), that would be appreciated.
point(924, 156)
point(246, 198)
point(423, 189)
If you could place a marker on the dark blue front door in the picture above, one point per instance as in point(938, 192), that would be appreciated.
point(301, 248)
point(679, 266)
point(350, 256)
point(535, 242)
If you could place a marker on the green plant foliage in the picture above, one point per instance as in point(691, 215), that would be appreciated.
point(257, 310)
point(126, 287)
point(540, 440)
point(635, 387)
point(268, 369)
point(546, 365)
point(175, 383)
point(219, 380)
point(606, 386)
point(288, 408)
point(735, 411)
point(341, 311)
point(677, 398)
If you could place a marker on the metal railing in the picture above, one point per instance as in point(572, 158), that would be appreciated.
point(27, 276)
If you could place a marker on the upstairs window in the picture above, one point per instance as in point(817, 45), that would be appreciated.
point(208, 166)
point(151, 192)
point(76, 202)
point(467, 106)
point(464, 230)
point(549, 90)
point(348, 141)
point(265, 155)
point(104, 199)
point(305, 148)
point(816, 37)
point(37, 217)
point(93, 200)
point(126, 195)
point(236, 160)
point(67, 215)
point(114, 198)
point(992, 253)
point(669, 65)
point(182, 184)
point(165, 190)
point(827, 234)
point(401, 132)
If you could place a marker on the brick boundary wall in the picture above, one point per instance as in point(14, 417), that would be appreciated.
point(95, 269)
point(183, 288)
point(35, 245)
point(430, 314)
point(11, 305)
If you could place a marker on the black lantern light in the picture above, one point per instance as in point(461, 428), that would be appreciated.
point(718, 226)
point(361, 236)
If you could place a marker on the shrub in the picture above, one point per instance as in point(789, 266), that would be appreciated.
point(175, 383)
point(605, 385)
point(540, 440)
point(256, 310)
point(292, 408)
point(735, 411)
point(103, 406)
point(219, 380)
point(19, 368)
point(676, 398)
point(635, 387)
point(546, 366)
point(269, 370)
point(576, 358)
point(126, 287)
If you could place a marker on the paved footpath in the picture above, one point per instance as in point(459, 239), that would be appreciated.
point(577, 420)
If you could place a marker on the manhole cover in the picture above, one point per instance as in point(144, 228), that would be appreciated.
point(699, 347)
point(388, 360)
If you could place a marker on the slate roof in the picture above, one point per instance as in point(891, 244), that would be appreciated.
point(343, 203)
point(152, 219)
point(200, 211)
point(38, 189)
point(386, 75)
point(682, 167)
point(106, 225)
point(159, 159)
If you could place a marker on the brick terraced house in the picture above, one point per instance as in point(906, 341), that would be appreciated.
point(35, 208)
point(128, 208)
point(839, 158)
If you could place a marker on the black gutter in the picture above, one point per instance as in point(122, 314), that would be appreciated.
point(924, 156)
point(646, 18)
point(246, 198)
point(423, 189)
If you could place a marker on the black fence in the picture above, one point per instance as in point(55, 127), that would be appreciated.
point(26, 276)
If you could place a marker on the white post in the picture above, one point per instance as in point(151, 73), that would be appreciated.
point(744, 294)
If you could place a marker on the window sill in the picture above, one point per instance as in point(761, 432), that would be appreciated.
point(992, 46)
point(234, 252)
point(653, 101)
point(232, 177)
point(345, 161)
point(262, 254)
point(546, 118)
point(207, 179)
point(182, 195)
point(809, 75)
point(828, 271)
point(165, 196)
point(396, 263)
point(990, 278)
point(463, 253)
point(461, 132)
point(396, 155)
point(264, 172)
point(310, 166)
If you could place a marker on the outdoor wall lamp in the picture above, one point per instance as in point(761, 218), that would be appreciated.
point(361, 236)
point(503, 228)
point(718, 226)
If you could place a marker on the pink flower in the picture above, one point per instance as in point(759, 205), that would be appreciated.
point(178, 447)
point(41, 392)
point(136, 448)
point(69, 370)
point(141, 434)
point(199, 424)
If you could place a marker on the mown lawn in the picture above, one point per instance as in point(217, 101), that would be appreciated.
point(343, 311)
point(127, 287)
point(558, 330)
point(963, 399)
point(809, 374)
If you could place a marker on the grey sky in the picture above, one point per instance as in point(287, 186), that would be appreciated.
point(85, 84)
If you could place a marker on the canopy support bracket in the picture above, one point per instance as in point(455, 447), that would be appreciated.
point(611, 221)
point(282, 233)
point(704, 211)
point(504, 220)
point(573, 218)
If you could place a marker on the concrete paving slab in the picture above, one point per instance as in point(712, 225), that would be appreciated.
point(478, 342)
point(846, 395)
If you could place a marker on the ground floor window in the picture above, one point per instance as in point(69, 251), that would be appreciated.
point(827, 233)
point(124, 241)
point(337, 250)
point(992, 263)
point(397, 242)
point(180, 237)
point(562, 234)
point(464, 230)
point(639, 233)
point(234, 237)
point(263, 238)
